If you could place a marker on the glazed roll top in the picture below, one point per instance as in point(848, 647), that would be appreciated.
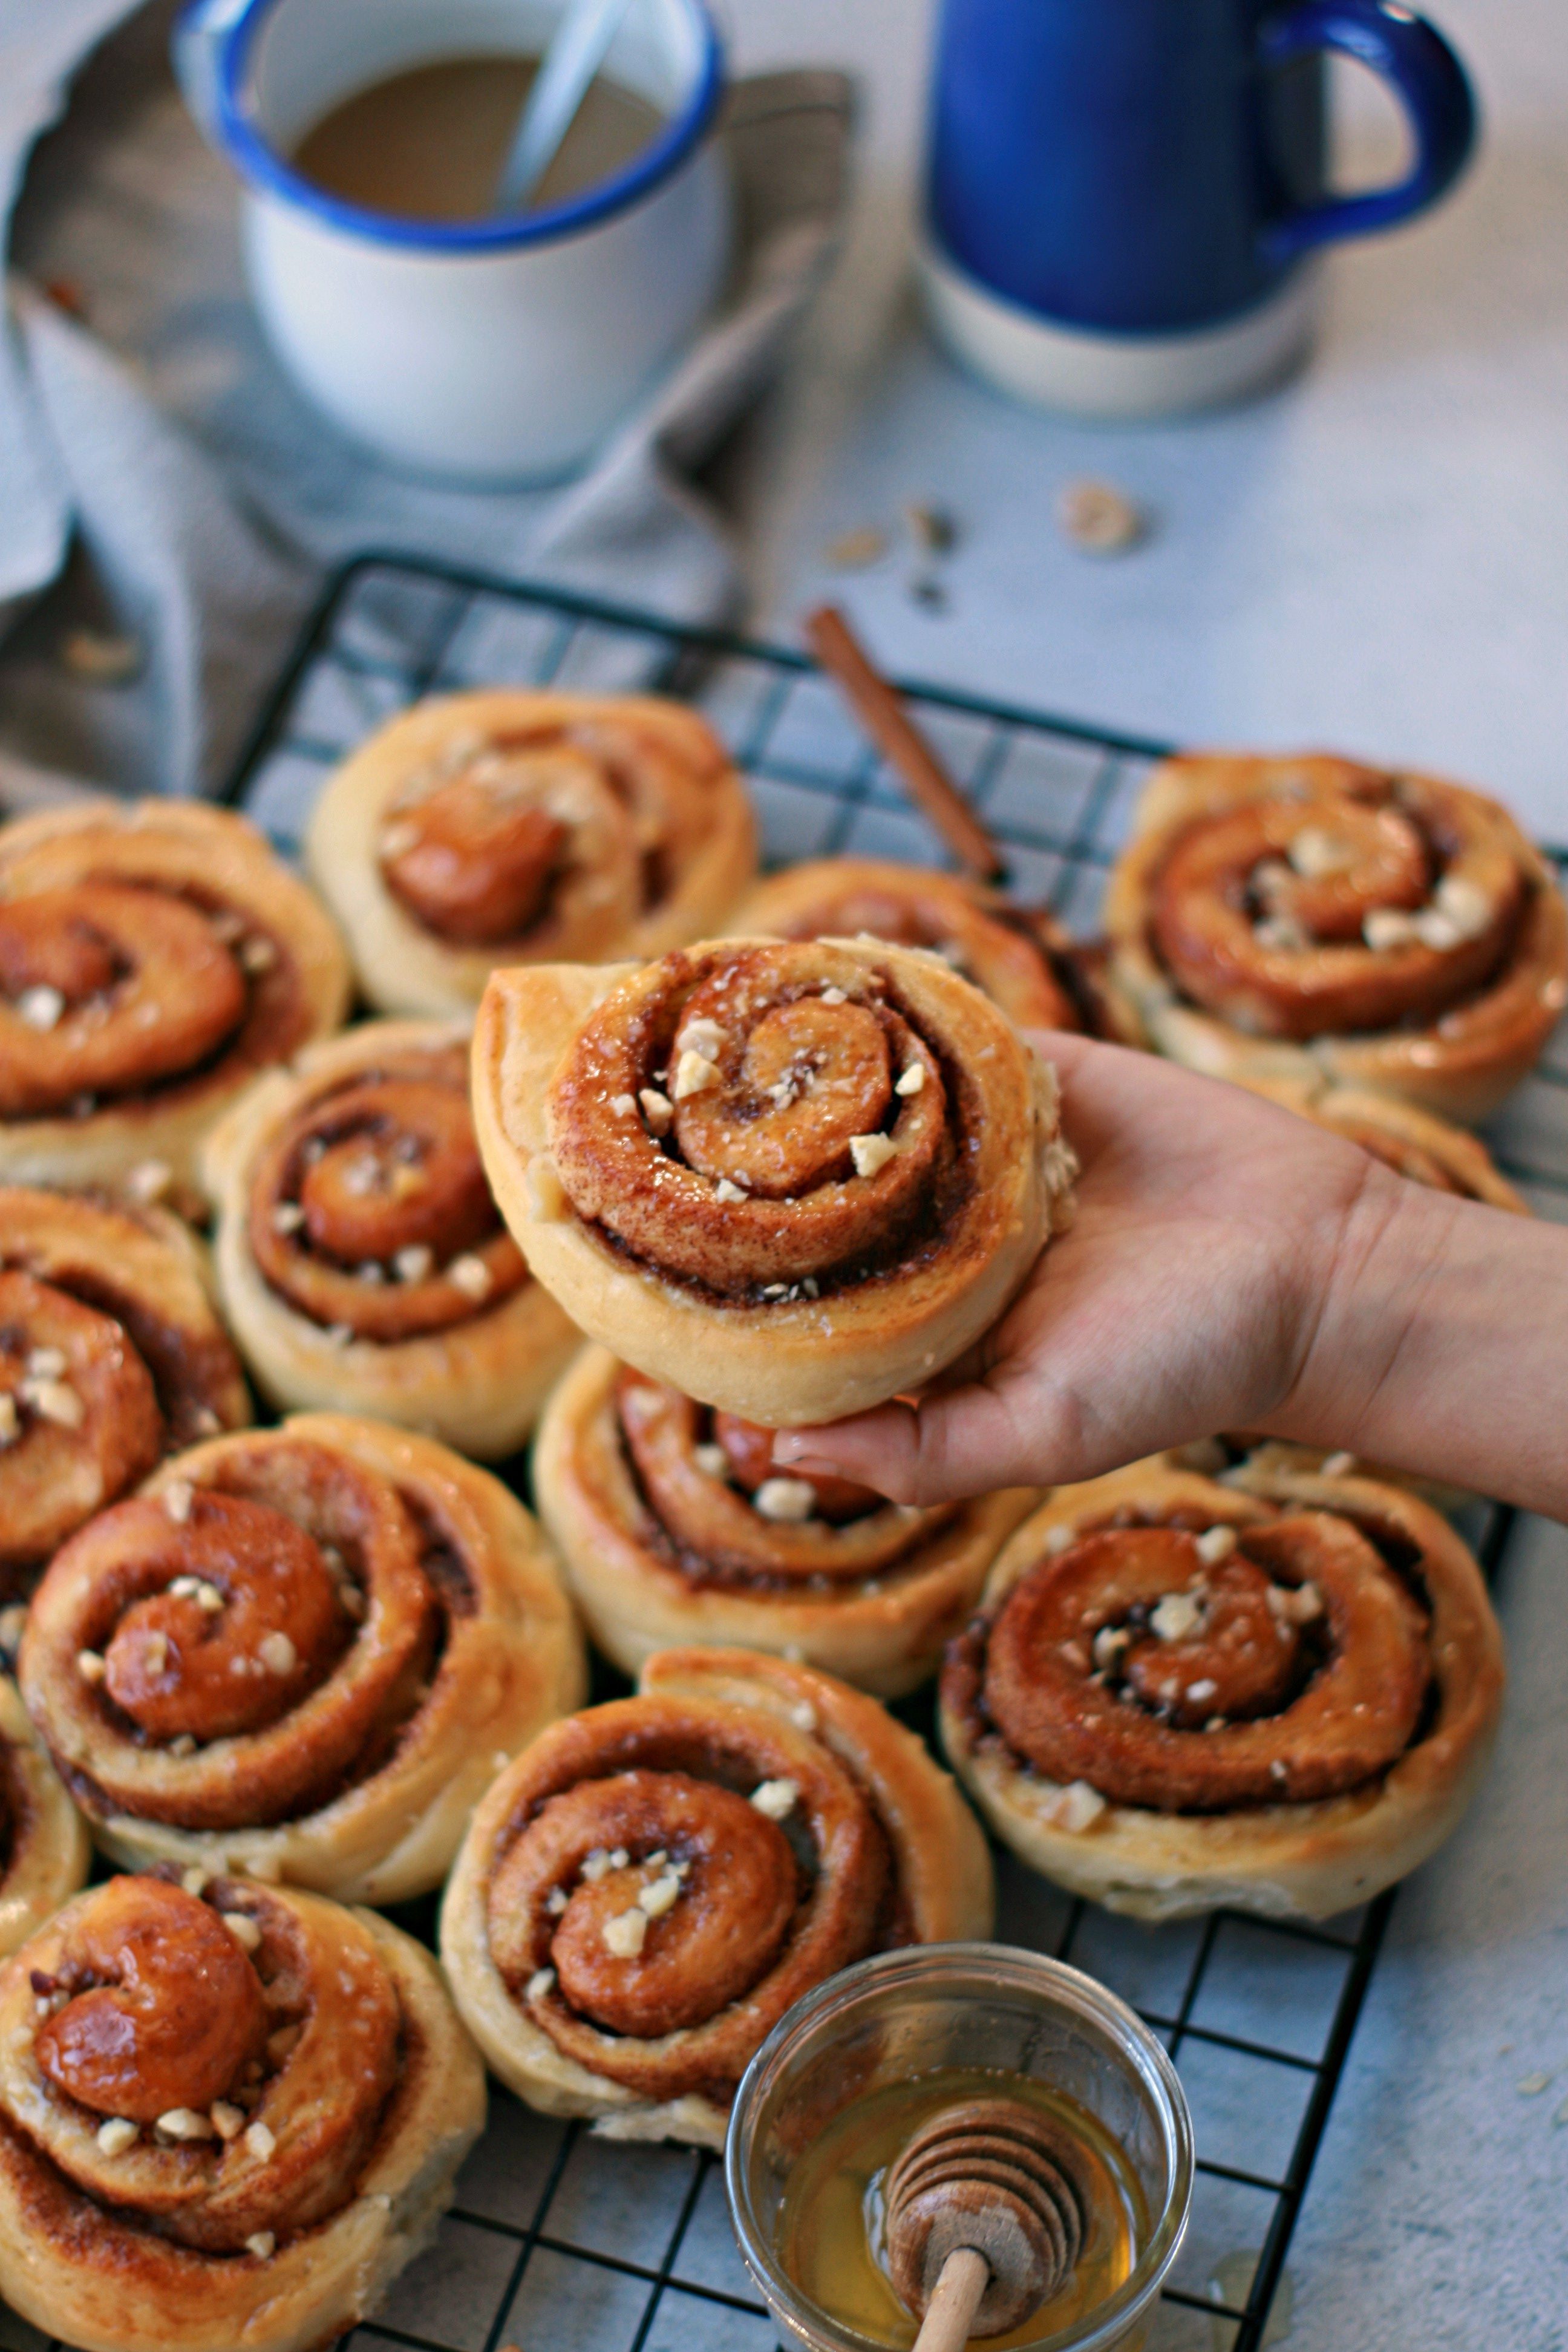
point(151, 949)
point(672, 1867)
point(369, 1211)
point(1014, 955)
point(111, 1356)
point(1316, 898)
point(1205, 1661)
point(228, 1655)
point(768, 1120)
point(220, 2061)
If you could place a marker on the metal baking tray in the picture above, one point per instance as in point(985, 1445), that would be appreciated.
point(557, 2238)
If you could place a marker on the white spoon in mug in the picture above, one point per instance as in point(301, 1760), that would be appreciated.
point(574, 56)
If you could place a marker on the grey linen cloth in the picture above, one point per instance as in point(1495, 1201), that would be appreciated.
point(160, 477)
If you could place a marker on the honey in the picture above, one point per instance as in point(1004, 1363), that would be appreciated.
point(830, 2226)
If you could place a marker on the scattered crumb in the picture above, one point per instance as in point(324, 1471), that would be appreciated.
point(101, 656)
point(1099, 517)
point(933, 529)
point(857, 551)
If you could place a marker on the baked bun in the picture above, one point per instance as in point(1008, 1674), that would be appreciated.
point(675, 1526)
point(229, 2115)
point(1017, 956)
point(789, 1180)
point(363, 1263)
point(44, 1845)
point(110, 1357)
point(303, 1652)
point(1177, 1695)
point(153, 956)
point(1309, 919)
point(510, 827)
point(629, 1915)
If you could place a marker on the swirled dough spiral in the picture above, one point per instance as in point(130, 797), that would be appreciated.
point(501, 827)
point(302, 1651)
point(1177, 1694)
point(153, 956)
point(1310, 919)
point(675, 1526)
point(363, 1263)
point(789, 1180)
point(646, 1891)
point(110, 1357)
point(229, 2115)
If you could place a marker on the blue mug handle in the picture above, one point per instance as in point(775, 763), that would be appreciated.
point(1413, 56)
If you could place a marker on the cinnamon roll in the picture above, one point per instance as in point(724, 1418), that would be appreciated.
point(643, 1892)
point(1311, 919)
point(229, 2115)
point(44, 1845)
point(675, 1526)
point(110, 1357)
point(510, 827)
point(1017, 956)
point(361, 1261)
point(301, 1653)
point(153, 956)
point(790, 1179)
point(1176, 1696)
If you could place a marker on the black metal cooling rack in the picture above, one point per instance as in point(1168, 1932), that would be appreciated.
point(558, 2236)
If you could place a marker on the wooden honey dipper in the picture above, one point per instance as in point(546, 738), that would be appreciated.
point(985, 2219)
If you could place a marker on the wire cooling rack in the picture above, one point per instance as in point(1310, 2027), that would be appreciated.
point(560, 2238)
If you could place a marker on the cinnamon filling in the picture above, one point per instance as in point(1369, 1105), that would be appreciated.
point(1192, 1674)
point(222, 2061)
point(547, 840)
point(81, 1422)
point(1363, 903)
point(240, 1653)
point(770, 1119)
point(675, 1874)
point(370, 1211)
point(723, 1515)
point(116, 989)
point(989, 944)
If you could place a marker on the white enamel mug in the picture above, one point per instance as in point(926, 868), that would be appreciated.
point(491, 351)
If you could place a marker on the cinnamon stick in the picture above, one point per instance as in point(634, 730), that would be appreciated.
point(883, 715)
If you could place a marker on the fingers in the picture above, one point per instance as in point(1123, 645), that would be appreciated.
point(971, 1440)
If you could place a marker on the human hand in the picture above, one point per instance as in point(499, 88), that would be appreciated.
point(1213, 1230)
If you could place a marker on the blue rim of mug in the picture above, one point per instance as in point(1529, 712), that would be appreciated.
point(262, 164)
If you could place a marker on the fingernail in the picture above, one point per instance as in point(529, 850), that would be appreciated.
point(797, 1452)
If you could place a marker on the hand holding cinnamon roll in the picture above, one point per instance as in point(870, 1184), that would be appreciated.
point(1176, 1696)
point(153, 956)
point(229, 2115)
point(363, 1263)
point(1303, 917)
point(301, 1651)
point(644, 1891)
point(110, 1357)
point(789, 1180)
point(675, 1526)
point(505, 826)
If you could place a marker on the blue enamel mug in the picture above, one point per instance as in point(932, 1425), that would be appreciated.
point(1125, 196)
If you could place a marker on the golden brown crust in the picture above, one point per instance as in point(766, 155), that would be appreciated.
point(184, 957)
point(111, 1354)
point(504, 826)
point(1246, 965)
point(872, 1600)
point(897, 1858)
point(359, 1162)
point(348, 2183)
point(1011, 954)
point(401, 1631)
point(1304, 1859)
point(951, 1216)
point(45, 1845)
